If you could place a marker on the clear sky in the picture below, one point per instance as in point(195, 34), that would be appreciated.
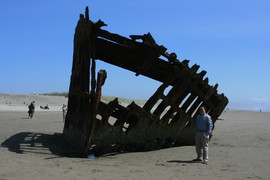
point(228, 38)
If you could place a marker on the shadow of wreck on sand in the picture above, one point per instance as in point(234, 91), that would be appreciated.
point(29, 142)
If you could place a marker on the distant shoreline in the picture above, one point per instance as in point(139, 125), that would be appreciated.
point(57, 99)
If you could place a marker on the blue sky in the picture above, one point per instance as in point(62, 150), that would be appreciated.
point(228, 38)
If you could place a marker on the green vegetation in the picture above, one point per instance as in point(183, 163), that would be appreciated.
point(56, 94)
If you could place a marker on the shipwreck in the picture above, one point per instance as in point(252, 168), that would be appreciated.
point(165, 120)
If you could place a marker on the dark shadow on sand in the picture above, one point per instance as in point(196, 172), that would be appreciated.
point(29, 142)
point(181, 161)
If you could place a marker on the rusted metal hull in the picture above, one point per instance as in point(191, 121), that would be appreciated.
point(164, 121)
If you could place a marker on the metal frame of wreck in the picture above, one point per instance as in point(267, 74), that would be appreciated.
point(164, 121)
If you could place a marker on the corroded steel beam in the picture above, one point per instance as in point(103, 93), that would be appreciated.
point(93, 126)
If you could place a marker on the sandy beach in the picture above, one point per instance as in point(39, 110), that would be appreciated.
point(34, 149)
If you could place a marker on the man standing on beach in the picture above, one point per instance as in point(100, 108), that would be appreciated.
point(204, 126)
point(31, 110)
point(64, 110)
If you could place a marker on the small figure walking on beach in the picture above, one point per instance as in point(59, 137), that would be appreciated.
point(203, 132)
point(64, 110)
point(31, 110)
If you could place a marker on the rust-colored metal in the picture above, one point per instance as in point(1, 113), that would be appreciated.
point(164, 120)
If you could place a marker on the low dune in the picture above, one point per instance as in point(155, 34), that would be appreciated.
point(20, 102)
